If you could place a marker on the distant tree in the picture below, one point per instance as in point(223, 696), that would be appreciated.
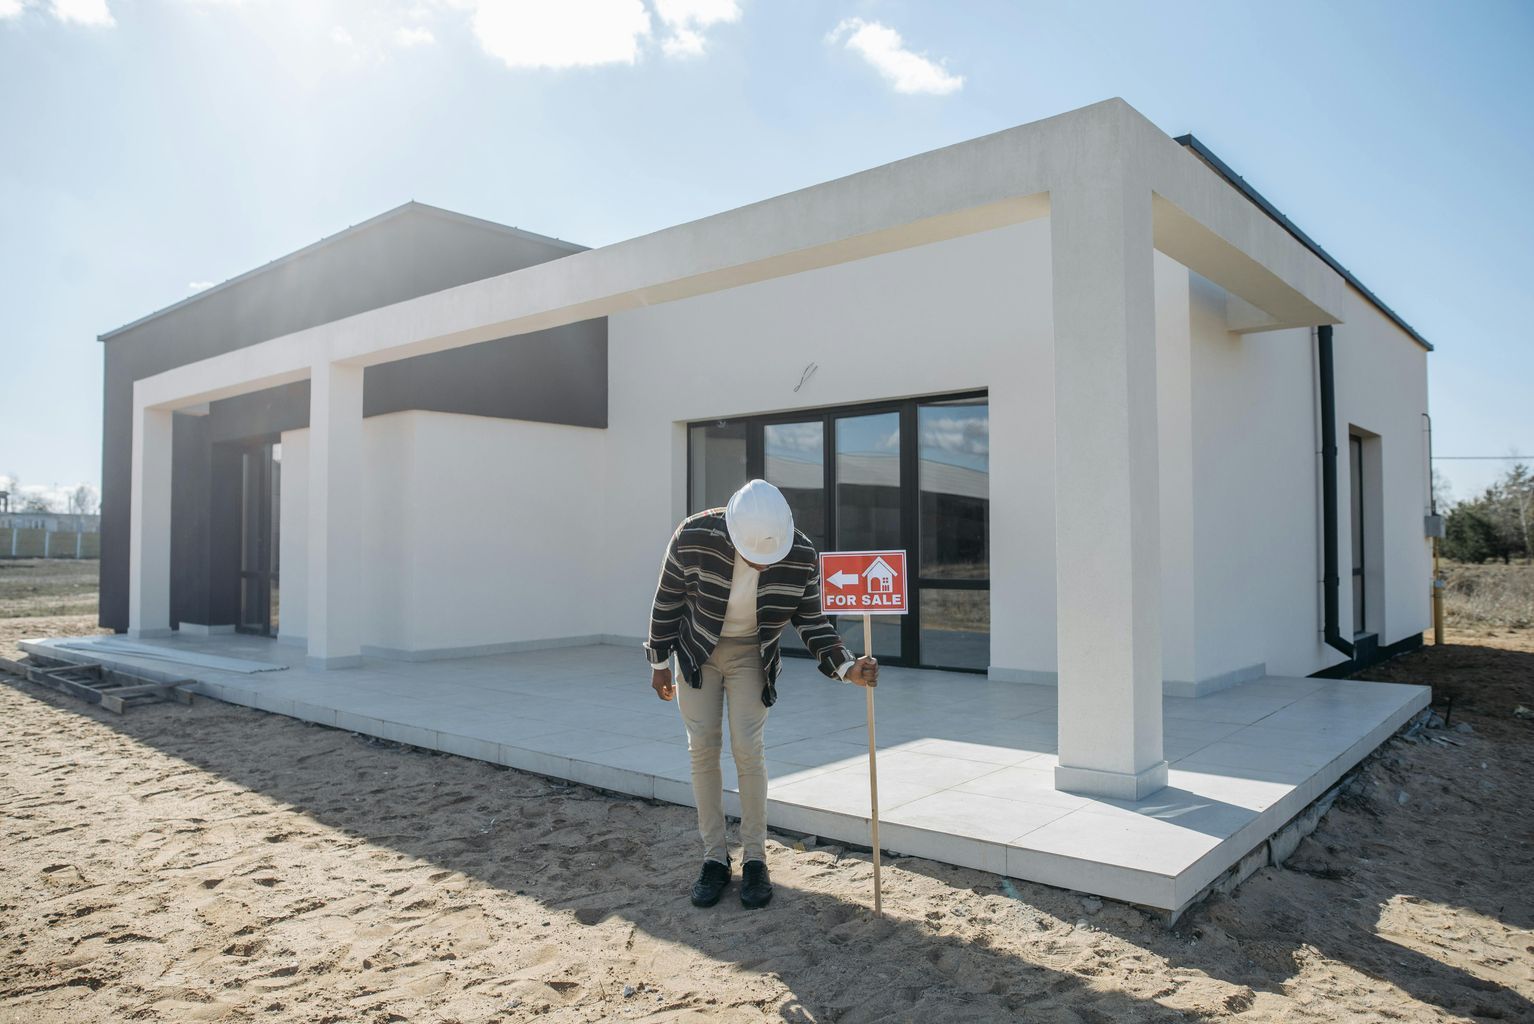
point(83, 500)
point(1443, 494)
point(1469, 535)
point(36, 503)
point(1497, 524)
point(1518, 491)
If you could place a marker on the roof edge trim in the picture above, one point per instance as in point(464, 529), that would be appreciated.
point(412, 206)
point(1223, 169)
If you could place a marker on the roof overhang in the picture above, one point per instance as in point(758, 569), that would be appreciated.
point(1004, 178)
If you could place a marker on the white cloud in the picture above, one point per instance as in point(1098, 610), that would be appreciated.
point(683, 42)
point(907, 71)
point(687, 18)
point(84, 12)
point(10, 8)
point(561, 33)
point(342, 37)
point(412, 37)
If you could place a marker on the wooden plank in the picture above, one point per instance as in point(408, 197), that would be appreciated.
point(88, 694)
point(94, 683)
point(158, 689)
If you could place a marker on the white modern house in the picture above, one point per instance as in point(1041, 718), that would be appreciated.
point(1143, 440)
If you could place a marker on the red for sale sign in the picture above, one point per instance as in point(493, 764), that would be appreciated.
point(863, 583)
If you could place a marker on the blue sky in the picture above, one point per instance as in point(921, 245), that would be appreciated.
point(152, 146)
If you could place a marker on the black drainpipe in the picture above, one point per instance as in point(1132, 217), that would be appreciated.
point(1331, 581)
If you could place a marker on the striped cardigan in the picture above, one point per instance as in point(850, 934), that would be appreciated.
point(694, 590)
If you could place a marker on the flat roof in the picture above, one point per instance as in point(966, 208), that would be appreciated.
point(1221, 168)
point(411, 207)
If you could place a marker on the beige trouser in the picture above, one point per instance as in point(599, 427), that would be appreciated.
point(733, 675)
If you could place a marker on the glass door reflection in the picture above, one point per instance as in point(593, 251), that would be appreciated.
point(868, 510)
point(794, 460)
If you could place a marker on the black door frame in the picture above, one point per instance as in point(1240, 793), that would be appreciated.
point(910, 494)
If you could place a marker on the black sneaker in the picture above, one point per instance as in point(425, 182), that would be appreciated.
point(755, 886)
point(710, 884)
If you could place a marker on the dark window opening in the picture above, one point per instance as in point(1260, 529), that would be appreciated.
point(912, 474)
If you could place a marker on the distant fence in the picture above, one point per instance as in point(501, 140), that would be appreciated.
point(18, 543)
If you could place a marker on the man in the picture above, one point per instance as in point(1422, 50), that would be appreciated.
point(731, 580)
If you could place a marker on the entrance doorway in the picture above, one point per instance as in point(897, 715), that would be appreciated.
point(260, 525)
point(911, 474)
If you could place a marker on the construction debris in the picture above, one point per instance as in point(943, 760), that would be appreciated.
point(93, 683)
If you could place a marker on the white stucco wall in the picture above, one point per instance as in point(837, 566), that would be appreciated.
point(963, 314)
point(1239, 496)
point(1382, 388)
point(476, 532)
point(1257, 524)
point(479, 532)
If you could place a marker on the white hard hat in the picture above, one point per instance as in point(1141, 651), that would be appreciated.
point(760, 523)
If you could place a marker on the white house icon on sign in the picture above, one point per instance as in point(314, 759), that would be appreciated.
point(881, 578)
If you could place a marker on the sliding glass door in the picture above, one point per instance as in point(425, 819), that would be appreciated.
point(953, 502)
point(869, 486)
point(910, 474)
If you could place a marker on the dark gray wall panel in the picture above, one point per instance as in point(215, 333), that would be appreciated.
point(558, 375)
point(189, 507)
point(260, 414)
point(553, 376)
point(223, 573)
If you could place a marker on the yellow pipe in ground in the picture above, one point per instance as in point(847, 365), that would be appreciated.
point(1437, 598)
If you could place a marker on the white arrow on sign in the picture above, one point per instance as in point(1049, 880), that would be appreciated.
point(841, 579)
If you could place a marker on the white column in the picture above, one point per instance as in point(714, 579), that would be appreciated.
point(1107, 515)
point(334, 563)
point(149, 526)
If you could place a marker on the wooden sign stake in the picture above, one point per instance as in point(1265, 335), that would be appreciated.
point(873, 768)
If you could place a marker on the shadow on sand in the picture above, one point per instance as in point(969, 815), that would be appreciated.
point(521, 834)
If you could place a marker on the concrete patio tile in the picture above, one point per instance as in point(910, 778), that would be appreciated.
point(934, 770)
point(1130, 841)
point(611, 777)
point(500, 724)
point(1235, 757)
point(1089, 875)
point(981, 752)
point(365, 724)
point(269, 702)
point(818, 751)
point(578, 742)
point(412, 734)
point(1173, 728)
point(468, 746)
point(536, 761)
point(652, 756)
point(1025, 783)
point(945, 847)
point(317, 713)
point(1243, 787)
point(990, 818)
point(845, 791)
point(1179, 808)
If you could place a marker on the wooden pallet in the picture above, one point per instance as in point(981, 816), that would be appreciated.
point(96, 684)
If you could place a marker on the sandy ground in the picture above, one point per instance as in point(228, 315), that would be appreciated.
point(13, 630)
point(219, 863)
